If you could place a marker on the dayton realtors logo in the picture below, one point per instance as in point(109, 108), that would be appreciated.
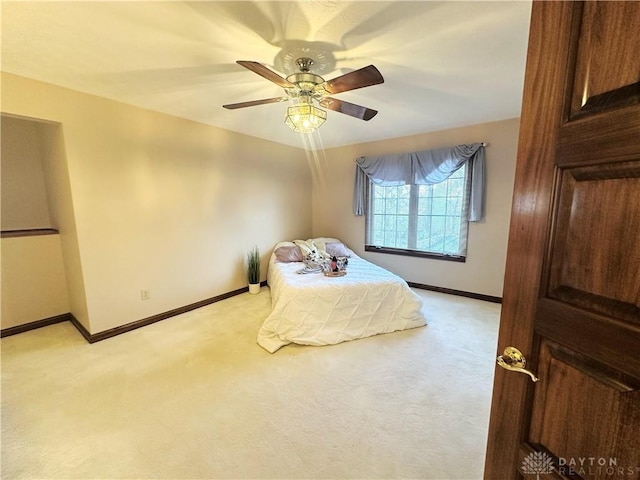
point(539, 463)
point(595, 466)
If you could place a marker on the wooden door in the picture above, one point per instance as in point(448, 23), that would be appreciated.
point(571, 301)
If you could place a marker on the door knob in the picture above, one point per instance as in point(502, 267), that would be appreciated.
point(513, 359)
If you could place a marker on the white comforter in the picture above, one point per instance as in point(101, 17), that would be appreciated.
point(312, 309)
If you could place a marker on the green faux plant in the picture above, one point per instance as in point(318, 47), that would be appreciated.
point(253, 266)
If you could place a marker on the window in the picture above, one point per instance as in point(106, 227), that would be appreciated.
point(421, 220)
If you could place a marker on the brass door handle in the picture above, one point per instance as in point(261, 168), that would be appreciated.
point(513, 359)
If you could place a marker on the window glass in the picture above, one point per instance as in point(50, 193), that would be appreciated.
point(429, 219)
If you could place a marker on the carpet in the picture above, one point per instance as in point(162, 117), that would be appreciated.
point(194, 397)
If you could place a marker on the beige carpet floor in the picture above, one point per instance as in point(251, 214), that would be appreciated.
point(194, 397)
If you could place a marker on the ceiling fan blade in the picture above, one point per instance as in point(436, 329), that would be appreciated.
point(233, 106)
point(365, 77)
point(358, 111)
point(266, 73)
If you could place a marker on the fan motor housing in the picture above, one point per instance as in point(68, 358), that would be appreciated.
point(306, 82)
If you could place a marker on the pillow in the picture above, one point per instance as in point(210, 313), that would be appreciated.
point(320, 242)
point(288, 254)
point(306, 246)
point(337, 249)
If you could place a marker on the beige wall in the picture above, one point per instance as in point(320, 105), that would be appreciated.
point(484, 269)
point(56, 174)
point(149, 201)
point(161, 203)
point(22, 188)
point(33, 280)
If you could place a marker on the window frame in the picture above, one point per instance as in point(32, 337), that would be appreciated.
point(413, 217)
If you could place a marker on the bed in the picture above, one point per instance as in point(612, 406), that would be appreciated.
point(314, 309)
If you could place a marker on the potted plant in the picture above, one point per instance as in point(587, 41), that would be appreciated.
point(253, 270)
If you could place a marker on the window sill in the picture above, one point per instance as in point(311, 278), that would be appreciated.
point(415, 253)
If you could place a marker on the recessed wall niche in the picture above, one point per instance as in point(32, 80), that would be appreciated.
point(33, 278)
point(24, 204)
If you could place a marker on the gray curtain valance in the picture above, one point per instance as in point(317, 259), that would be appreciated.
point(422, 168)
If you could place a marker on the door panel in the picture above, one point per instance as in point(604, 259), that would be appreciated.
point(596, 249)
point(590, 428)
point(607, 31)
point(571, 299)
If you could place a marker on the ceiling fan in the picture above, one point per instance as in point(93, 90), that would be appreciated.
point(304, 87)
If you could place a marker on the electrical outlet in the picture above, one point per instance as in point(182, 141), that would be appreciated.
point(145, 294)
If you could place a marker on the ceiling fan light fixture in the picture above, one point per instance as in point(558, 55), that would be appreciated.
point(305, 118)
point(304, 87)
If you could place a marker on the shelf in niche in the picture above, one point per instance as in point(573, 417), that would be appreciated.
point(31, 232)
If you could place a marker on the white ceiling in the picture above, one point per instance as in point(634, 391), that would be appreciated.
point(445, 64)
